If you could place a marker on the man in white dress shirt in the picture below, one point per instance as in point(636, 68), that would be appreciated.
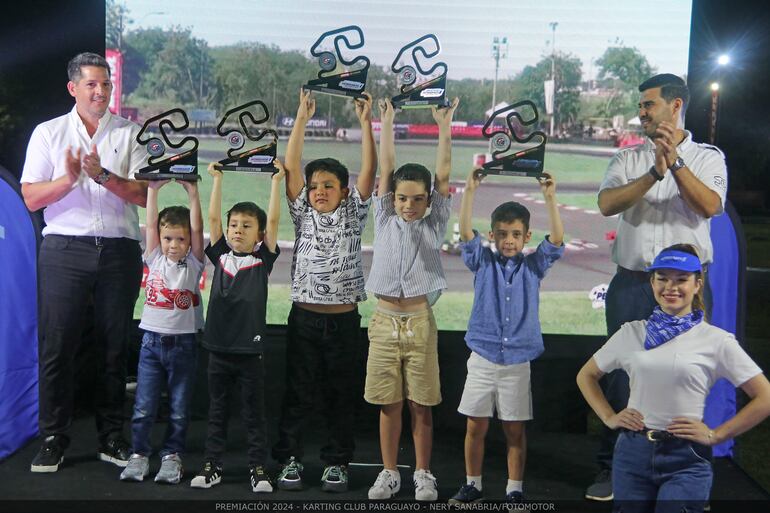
point(79, 168)
point(665, 192)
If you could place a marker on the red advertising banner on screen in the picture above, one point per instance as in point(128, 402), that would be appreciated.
point(115, 60)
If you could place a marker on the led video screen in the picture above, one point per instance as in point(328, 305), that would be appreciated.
point(579, 63)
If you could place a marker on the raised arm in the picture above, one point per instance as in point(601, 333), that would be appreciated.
point(294, 179)
point(365, 183)
point(215, 204)
point(270, 238)
point(387, 146)
point(704, 201)
point(151, 233)
point(196, 217)
point(466, 207)
point(133, 191)
point(443, 119)
point(41, 194)
point(548, 188)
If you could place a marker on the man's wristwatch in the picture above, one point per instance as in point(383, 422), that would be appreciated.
point(103, 177)
point(677, 165)
point(655, 174)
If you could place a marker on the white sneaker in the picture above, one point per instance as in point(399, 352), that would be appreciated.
point(137, 468)
point(386, 486)
point(424, 486)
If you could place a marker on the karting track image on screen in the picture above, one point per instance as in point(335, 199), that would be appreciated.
point(579, 63)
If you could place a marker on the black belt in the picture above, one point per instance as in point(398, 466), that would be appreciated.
point(95, 240)
point(654, 435)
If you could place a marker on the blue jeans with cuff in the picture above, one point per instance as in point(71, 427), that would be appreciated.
point(169, 359)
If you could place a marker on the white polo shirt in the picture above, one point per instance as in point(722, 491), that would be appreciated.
point(673, 379)
point(661, 217)
point(89, 208)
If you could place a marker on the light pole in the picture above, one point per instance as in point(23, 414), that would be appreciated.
point(499, 51)
point(714, 108)
point(553, 26)
point(722, 61)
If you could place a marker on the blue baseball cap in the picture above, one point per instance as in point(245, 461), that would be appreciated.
point(679, 260)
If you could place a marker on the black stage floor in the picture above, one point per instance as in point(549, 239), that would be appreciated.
point(559, 467)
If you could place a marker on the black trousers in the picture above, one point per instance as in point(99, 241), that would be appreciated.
point(320, 356)
point(629, 298)
point(247, 371)
point(73, 271)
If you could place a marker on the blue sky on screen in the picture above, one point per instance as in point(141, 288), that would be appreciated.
point(660, 29)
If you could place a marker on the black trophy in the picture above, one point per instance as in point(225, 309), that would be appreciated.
point(420, 91)
point(526, 162)
point(259, 159)
point(180, 166)
point(349, 83)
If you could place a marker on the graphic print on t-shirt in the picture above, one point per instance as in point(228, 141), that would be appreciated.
point(159, 296)
point(326, 265)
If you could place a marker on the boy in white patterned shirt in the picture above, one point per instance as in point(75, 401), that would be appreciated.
point(327, 285)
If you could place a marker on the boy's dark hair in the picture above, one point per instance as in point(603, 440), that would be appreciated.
point(509, 212)
point(411, 173)
point(329, 165)
point(671, 86)
point(250, 209)
point(85, 59)
point(174, 216)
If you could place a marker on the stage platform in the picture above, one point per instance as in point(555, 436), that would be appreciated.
point(560, 457)
point(559, 467)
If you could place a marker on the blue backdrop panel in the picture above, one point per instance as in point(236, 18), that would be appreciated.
point(18, 321)
point(724, 278)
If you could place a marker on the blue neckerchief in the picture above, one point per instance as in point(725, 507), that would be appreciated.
point(662, 327)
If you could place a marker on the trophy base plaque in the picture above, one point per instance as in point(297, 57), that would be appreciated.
point(528, 163)
point(179, 167)
point(348, 85)
point(423, 96)
point(257, 160)
point(249, 169)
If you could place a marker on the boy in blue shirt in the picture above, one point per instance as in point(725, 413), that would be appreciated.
point(503, 331)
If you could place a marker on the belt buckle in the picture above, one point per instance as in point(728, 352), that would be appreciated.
point(652, 435)
point(98, 241)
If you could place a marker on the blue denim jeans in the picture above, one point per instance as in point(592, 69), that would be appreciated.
point(665, 476)
point(169, 360)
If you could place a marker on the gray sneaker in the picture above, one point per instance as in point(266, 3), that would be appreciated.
point(170, 469)
point(137, 468)
point(601, 490)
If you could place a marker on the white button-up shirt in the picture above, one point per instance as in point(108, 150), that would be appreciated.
point(89, 208)
point(661, 217)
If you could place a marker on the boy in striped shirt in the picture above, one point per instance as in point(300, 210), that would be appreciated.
point(407, 278)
